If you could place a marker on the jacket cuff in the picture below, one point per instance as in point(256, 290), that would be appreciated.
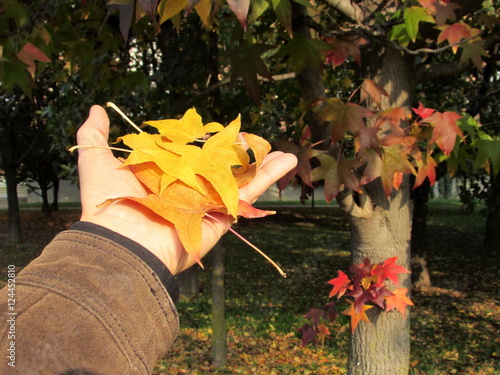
point(144, 254)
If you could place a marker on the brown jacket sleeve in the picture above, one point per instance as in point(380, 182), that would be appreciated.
point(94, 302)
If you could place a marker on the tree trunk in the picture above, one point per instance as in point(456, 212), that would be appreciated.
point(420, 276)
point(378, 233)
point(492, 233)
point(219, 346)
point(381, 228)
point(310, 81)
point(13, 204)
point(55, 192)
point(187, 280)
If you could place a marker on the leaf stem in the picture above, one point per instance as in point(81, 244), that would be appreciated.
point(248, 243)
point(103, 147)
point(112, 105)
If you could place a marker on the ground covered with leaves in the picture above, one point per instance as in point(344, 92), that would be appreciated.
point(455, 323)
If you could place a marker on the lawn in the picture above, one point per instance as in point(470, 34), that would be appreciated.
point(455, 324)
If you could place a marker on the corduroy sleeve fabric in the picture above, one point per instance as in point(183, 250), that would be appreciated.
point(94, 302)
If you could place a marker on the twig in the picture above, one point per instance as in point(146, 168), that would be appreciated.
point(248, 243)
point(112, 105)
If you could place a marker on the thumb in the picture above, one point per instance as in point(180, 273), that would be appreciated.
point(95, 131)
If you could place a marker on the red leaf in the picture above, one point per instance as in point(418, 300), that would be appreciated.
point(149, 6)
point(445, 130)
point(454, 34)
point(441, 10)
point(340, 285)
point(368, 138)
point(422, 111)
point(250, 212)
point(360, 271)
point(388, 270)
point(29, 54)
point(373, 168)
point(361, 296)
point(341, 50)
point(380, 293)
point(308, 334)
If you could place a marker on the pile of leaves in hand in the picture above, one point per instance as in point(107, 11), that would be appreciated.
point(367, 290)
point(191, 171)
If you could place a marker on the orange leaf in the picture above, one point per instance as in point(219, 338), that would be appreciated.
point(357, 316)
point(342, 117)
point(184, 208)
point(370, 89)
point(398, 300)
point(395, 164)
point(426, 169)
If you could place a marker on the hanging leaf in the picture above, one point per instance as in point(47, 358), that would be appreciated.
point(240, 10)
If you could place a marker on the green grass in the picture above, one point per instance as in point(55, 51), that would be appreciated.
point(455, 323)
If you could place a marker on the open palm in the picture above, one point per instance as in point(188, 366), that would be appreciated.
point(101, 179)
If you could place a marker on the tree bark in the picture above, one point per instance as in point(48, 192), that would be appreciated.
point(380, 226)
point(219, 346)
point(381, 229)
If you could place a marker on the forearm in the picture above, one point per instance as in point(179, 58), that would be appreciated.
point(92, 301)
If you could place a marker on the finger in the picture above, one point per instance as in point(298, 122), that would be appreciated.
point(274, 166)
point(95, 130)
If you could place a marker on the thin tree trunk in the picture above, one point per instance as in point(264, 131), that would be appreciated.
point(219, 345)
point(492, 232)
point(55, 191)
point(420, 275)
point(13, 204)
point(189, 285)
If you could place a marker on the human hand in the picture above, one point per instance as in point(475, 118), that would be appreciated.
point(101, 179)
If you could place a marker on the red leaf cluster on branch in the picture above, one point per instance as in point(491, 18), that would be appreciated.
point(364, 290)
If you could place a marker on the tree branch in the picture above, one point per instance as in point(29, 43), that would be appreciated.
point(431, 72)
point(227, 80)
point(348, 8)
